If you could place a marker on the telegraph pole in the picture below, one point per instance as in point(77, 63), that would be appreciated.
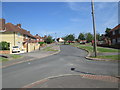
point(94, 28)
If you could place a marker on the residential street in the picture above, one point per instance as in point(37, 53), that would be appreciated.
point(22, 74)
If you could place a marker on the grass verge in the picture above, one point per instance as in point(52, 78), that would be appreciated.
point(113, 57)
point(15, 56)
point(10, 57)
point(49, 49)
point(3, 59)
point(100, 50)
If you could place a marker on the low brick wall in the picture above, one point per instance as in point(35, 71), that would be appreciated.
point(5, 52)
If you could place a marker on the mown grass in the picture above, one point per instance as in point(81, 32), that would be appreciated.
point(113, 57)
point(49, 49)
point(3, 59)
point(100, 50)
point(15, 56)
point(10, 57)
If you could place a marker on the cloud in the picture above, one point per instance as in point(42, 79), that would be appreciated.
point(112, 21)
point(102, 5)
point(75, 20)
point(76, 6)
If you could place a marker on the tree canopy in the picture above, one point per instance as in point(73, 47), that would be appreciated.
point(89, 37)
point(48, 40)
point(81, 36)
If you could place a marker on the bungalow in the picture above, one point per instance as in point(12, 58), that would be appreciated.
point(17, 36)
point(60, 40)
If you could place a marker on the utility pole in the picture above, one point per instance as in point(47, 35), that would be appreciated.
point(94, 28)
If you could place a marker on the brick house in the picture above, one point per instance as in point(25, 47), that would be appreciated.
point(38, 38)
point(17, 36)
point(115, 35)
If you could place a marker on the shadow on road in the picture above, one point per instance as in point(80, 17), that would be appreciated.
point(73, 69)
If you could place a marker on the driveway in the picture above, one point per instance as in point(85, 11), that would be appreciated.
point(19, 75)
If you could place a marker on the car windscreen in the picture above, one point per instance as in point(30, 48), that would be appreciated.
point(15, 47)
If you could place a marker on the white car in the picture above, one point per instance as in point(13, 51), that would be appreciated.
point(15, 49)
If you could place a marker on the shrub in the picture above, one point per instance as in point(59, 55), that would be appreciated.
point(48, 40)
point(41, 43)
point(4, 45)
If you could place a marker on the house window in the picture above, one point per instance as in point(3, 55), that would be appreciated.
point(113, 32)
point(18, 34)
point(41, 39)
point(26, 37)
point(118, 40)
point(113, 41)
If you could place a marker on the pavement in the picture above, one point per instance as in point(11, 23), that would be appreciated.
point(33, 55)
point(76, 81)
point(55, 71)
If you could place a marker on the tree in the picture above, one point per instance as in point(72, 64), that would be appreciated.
point(71, 37)
point(107, 32)
point(48, 40)
point(98, 37)
point(81, 36)
point(89, 37)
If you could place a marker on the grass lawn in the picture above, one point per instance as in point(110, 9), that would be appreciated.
point(11, 57)
point(15, 56)
point(3, 59)
point(113, 57)
point(100, 50)
point(49, 49)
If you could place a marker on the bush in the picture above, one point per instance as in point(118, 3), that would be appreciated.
point(4, 45)
point(48, 40)
point(41, 43)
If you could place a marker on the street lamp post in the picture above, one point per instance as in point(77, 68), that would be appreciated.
point(94, 28)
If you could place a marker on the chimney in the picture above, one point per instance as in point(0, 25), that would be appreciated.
point(28, 31)
point(2, 24)
point(19, 25)
point(37, 35)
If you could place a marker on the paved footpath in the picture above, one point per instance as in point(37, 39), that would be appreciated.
point(37, 54)
point(77, 81)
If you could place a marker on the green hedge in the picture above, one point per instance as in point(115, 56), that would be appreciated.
point(4, 45)
point(41, 43)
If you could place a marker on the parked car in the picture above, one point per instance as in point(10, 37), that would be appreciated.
point(82, 42)
point(15, 49)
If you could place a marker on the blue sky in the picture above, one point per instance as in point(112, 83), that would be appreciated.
point(61, 18)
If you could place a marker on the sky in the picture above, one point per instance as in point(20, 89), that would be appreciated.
point(61, 18)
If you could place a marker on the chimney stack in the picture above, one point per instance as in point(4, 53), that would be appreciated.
point(28, 31)
point(19, 25)
point(37, 35)
point(2, 24)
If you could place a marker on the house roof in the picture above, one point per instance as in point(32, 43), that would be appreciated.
point(14, 28)
point(115, 28)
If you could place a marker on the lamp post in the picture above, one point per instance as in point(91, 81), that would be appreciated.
point(94, 28)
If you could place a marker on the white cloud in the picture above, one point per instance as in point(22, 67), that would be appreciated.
point(75, 6)
point(113, 21)
point(103, 5)
point(75, 20)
